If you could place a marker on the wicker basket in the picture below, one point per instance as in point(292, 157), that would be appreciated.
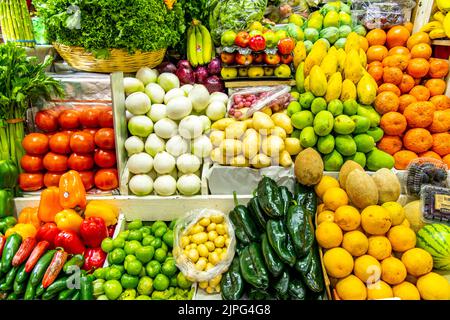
point(119, 60)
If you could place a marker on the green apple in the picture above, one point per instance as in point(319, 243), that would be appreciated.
point(243, 72)
point(268, 71)
point(228, 38)
point(271, 39)
point(255, 72)
point(229, 73)
point(283, 71)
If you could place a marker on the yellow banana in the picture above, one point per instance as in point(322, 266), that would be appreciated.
point(430, 26)
point(446, 24)
point(199, 45)
point(192, 47)
point(207, 44)
point(437, 34)
point(439, 16)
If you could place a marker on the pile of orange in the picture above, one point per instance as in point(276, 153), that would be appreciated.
point(411, 95)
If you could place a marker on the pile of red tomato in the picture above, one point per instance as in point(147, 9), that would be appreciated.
point(80, 138)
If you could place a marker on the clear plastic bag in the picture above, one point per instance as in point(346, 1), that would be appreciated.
point(243, 103)
point(182, 260)
point(425, 171)
point(435, 204)
point(382, 14)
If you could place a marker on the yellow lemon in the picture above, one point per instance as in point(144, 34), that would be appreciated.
point(338, 262)
point(393, 271)
point(368, 269)
point(402, 238)
point(406, 291)
point(325, 216)
point(396, 212)
point(347, 217)
point(417, 262)
point(433, 286)
point(324, 184)
point(375, 220)
point(379, 247)
point(329, 235)
point(379, 290)
point(335, 197)
point(351, 288)
point(355, 242)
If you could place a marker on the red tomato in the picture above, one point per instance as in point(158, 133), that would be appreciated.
point(82, 142)
point(80, 162)
point(51, 179)
point(69, 119)
point(55, 162)
point(105, 158)
point(88, 179)
point(60, 143)
point(31, 181)
point(35, 144)
point(104, 138)
point(89, 117)
point(47, 120)
point(69, 132)
point(105, 120)
point(90, 131)
point(31, 164)
point(106, 179)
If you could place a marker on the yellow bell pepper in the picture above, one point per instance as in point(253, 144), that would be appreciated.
point(68, 219)
point(26, 230)
point(101, 209)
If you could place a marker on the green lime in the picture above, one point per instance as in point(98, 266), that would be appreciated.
point(113, 289)
point(146, 231)
point(158, 224)
point(168, 238)
point(117, 256)
point(153, 268)
point(160, 232)
point(113, 274)
point(128, 281)
point(145, 286)
point(134, 267)
point(142, 297)
point(161, 282)
point(182, 282)
point(169, 267)
point(134, 225)
point(147, 240)
point(107, 245)
point(293, 107)
point(160, 255)
point(135, 235)
point(119, 242)
point(132, 246)
point(156, 243)
point(145, 254)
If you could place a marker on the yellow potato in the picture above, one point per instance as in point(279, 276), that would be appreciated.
point(260, 161)
point(212, 235)
point(231, 147)
point(251, 144)
point(210, 245)
point(222, 124)
point(282, 120)
point(216, 219)
point(202, 250)
point(213, 258)
point(235, 130)
point(209, 265)
point(199, 238)
point(249, 123)
point(239, 161)
point(185, 241)
point(217, 137)
point(262, 122)
point(228, 242)
point(203, 285)
point(211, 227)
point(193, 255)
point(278, 131)
point(196, 229)
point(285, 159)
point(200, 265)
point(273, 146)
point(218, 156)
point(204, 222)
point(292, 146)
point(210, 290)
point(219, 242)
point(221, 229)
point(267, 111)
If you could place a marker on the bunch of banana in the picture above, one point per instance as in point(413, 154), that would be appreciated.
point(439, 27)
point(200, 49)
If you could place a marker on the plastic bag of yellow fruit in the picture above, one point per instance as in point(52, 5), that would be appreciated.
point(204, 245)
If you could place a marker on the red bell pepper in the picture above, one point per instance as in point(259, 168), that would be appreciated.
point(94, 258)
point(93, 230)
point(69, 241)
point(48, 233)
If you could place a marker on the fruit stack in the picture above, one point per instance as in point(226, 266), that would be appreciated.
point(439, 26)
point(370, 247)
point(256, 54)
point(411, 95)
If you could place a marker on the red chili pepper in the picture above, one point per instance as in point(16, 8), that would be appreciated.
point(70, 242)
point(55, 267)
point(2, 244)
point(36, 254)
point(93, 230)
point(94, 259)
point(24, 251)
point(48, 232)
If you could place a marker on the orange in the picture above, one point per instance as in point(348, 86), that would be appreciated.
point(376, 72)
point(389, 87)
point(376, 53)
point(417, 38)
point(404, 101)
point(386, 102)
point(418, 67)
point(441, 102)
point(421, 50)
point(409, 26)
point(363, 43)
point(397, 60)
point(441, 121)
point(334, 198)
point(399, 50)
point(376, 37)
point(441, 143)
point(407, 83)
point(392, 75)
point(430, 154)
point(397, 36)
point(438, 68)
point(393, 123)
point(418, 140)
point(421, 93)
point(436, 86)
point(446, 160)
point(374, 64)
point(390, 144)
point(419, 114)
point(403, 158)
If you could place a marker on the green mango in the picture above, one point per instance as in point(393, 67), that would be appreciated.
point(333, 161)
point(345, 145)
point(325, 145)
point(323, 123)
point(377, 159)
point(358, 157)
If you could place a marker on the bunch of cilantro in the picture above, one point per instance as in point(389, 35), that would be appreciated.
point(99, 25)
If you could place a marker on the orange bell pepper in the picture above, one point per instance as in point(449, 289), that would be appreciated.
point(30, 215)
point(72, 193)
point(25, 230)
point(68, 219)
point(49, 204)
point(101, 209)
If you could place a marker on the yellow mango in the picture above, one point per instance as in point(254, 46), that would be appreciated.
point(307, 84)
point(329, 64)
point(300, 78)
point(341, 59)
point(318, 82)
point(363, 57)
point(353, 69)
point(299, 53)
point(315, 56)
point(352, 42)
point(334, 87)
point(367, 89)
point(348, 90)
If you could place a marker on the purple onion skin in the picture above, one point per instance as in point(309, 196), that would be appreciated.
point(201, 74)
point(214, 84)
point(184, 64)
point(214, 66)
point(167, 67)
point(186, 76)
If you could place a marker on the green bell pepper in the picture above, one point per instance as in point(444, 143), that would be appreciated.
point(244, 227)
point(232, 284)
point(300, 229)
point(273, 262)
point(6, 203)
point(269, 198)
point(280, 241)
point(252, 266)
point(257, 213)
point(8, 174)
